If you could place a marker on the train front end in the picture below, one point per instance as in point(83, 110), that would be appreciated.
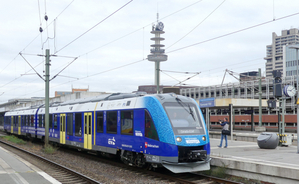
point(184, 139)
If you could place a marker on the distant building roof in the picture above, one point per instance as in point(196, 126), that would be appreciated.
point(74, 90)
point(152, 89)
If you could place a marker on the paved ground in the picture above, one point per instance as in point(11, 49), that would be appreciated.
point(286, 156)
point(278, 165)
point(14, 169)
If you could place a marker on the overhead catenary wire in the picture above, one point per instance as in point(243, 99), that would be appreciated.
point(231, 33)
point(94, 26)
point(35, 37)
point(169, 75)
point(186, 79)
point(100, 72)
point(32, 67)
point(142, 28)
point(218, 36)
point(179, 72)
point(64, 68)
point(196, 25)
point(135, 31)
point(130, 32)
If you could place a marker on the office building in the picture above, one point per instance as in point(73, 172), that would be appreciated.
point(274, 58)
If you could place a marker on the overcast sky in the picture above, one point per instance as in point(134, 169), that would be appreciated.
point(123, 38)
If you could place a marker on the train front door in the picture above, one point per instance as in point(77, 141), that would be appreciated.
point(87, 130)
point(62, 128)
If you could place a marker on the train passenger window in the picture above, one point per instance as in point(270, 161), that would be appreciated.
point(40, 120)
point(69, 123)
point(78, 124)
point(100, 122)
point(23, 121)
point(15, 121)
point(150, 129)
point(32, 120)
point(111, 122)
point(55, 121)
point(126, 119)
point(8, 120)
point(50, 120)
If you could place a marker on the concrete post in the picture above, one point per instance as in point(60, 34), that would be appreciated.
point(260, 98)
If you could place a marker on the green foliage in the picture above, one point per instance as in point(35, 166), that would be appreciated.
point(14, 139)
point(245, 180)
point(50, 149)
point(219, 172)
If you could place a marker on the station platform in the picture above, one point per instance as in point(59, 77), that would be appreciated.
point(241, 135)
point(14, 169)
point(246, 159)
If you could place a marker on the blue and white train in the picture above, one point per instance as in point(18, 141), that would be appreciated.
point(165, 130)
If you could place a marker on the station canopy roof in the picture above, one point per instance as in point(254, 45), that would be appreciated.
point(237, 103)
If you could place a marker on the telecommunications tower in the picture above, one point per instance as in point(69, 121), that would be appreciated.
point(157, 54)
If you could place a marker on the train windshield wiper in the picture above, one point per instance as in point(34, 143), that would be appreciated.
point(190, 111)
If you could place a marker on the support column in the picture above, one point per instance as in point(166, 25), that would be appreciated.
point(252, 120)
point(231, 109)
point(208, 118)
point(47, 97)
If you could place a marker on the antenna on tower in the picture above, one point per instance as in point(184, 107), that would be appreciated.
point(157, 12)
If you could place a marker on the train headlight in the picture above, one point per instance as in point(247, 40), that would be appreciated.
point(178, 139)
point(204, 138)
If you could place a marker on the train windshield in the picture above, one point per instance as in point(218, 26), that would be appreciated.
point(184, 118)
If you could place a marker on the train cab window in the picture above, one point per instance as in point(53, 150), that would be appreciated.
point(55, 121)
point(100, 122)
point(184, 118)
point(111, 122)
point(126, 119)
point(69, 124)
point(40, 120)
point(150, 129)
point(78, 124)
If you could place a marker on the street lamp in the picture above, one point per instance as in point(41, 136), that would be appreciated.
point(296, 47)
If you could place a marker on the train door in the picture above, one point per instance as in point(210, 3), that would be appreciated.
point(19, 126)
point(11, 124)
point(87, 130)
point(62, 128)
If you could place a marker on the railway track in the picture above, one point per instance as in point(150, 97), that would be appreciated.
point(57, 171)
point(161, 174)
point(65, 175)
point(192, 178)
